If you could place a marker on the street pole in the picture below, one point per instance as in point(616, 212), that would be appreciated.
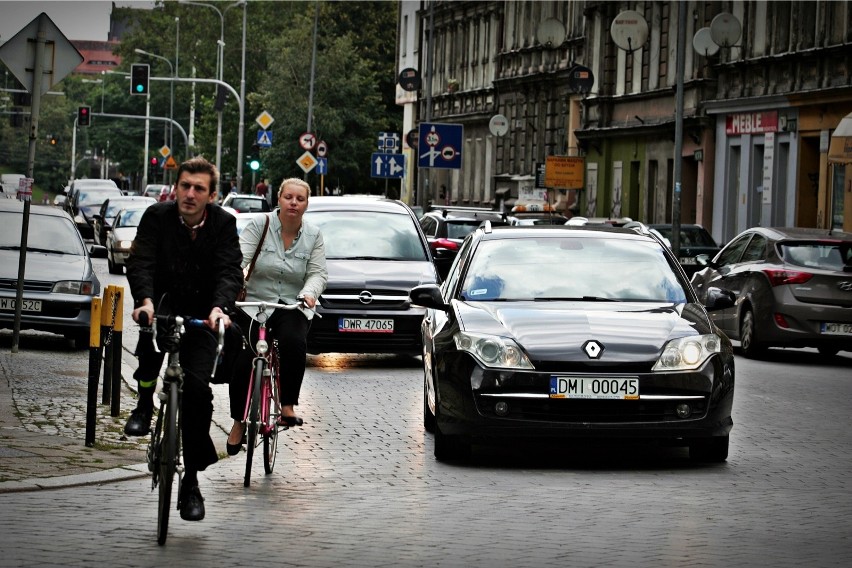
point(242, 126)
point(678, 149)
point(73, 150)
point(147, 125)
point(313, 68)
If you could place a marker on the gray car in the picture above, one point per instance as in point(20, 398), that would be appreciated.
point(793, 288)
point(59, 284)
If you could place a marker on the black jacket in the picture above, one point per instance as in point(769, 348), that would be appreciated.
point(197, 274)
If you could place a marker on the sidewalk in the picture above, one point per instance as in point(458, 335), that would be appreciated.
point(43, 422)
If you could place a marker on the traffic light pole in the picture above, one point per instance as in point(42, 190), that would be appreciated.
point(147, 138)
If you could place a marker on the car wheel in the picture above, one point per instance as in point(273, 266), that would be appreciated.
point(113, 267)
point(749, 344)
point(713, 450)
point(79, 338)
point(428, 417)
point(828, 351)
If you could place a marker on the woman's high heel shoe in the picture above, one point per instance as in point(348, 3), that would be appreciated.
point(290, 421)
point(234, 449)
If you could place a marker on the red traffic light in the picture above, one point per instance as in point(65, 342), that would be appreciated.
point(84, 116)
point(153, 160)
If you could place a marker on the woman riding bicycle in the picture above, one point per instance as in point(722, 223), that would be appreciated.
point(290, 264)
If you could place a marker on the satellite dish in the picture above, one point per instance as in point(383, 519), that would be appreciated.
point(629, 30)
point(703, 43)
point(550, 32)
point(725, 30)
point(580, 79)
point(498, 125)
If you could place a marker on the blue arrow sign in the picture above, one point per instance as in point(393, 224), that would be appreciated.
point(322, 165)
point(440, 146)
point(264, 138)
point(387, 165)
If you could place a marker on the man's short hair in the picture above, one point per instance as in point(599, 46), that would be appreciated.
point(199, 165)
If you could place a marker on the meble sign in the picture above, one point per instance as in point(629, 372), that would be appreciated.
point(751, 123)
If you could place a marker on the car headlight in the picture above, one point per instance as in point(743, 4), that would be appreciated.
point(125, 245)
point(79, 219)
point(73, 287)
point(492, 350)
point(688, 353)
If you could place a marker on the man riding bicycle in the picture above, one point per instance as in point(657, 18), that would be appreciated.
point(187, 251)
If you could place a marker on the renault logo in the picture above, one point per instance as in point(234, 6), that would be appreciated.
point(846, 286)
point(593, 349)
point(365, 297)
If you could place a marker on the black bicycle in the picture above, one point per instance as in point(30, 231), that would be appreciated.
point(164, 449)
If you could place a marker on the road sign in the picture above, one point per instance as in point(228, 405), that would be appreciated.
point(440, 146)
point(264, 120)
point(387, 165)
point(307, 141)
point(564, 172)
point(165, 151)
point(388, 142)
point(322, 148)
point(264, 138)
point(322, 166)
point(170, 164)
point(307, 162)
point(60, 55)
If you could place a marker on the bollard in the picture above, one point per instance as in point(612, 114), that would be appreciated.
point(115, 407)
point(94, 371)
point(107, 317)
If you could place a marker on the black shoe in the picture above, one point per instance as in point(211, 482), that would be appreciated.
point(191, 504)
point(234, 449)
point(290, 421)
point(139, 423)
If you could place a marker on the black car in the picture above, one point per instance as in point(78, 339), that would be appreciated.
point(375, 254)
point(573, 332)
point(694, 240)
point(85, 200)
point(446, 228)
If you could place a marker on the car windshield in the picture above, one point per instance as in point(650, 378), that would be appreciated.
point(577, 269)
point(824, 255)
point(129, 218)
point(46, 234)
point(91, 197)
point(461, 229)
point(368, 235)
point(690, 236)
point(248, 205)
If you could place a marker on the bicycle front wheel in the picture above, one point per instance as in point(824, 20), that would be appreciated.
point(253, 417)
point(167, 458)
point(270, 396)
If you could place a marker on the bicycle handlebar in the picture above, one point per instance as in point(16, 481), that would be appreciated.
point(262, 306)
point(180, 321)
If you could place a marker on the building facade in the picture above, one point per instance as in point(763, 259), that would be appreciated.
point(760, 104)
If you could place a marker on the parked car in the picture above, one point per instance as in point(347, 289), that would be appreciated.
point(158, 191)
point(793, 288)
point(9, 184)
point(120, 239)
point(59, 284)
point(85, 199)
point(446, 227)
point(246, 203)
point(375, 253)
point(609, 342)
point(102, 223)
point(536, 218)
point(694, 240)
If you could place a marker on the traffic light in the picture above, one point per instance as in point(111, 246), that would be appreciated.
point(139, 73)
point(84, 115)
point(254, 157)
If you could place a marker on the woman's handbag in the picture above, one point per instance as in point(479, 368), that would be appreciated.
point(241, 295)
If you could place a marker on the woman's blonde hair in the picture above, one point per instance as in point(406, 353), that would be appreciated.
point(294, 181)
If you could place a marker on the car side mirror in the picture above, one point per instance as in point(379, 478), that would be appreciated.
point(705, 260)
point(98, 251)
point(428, 296)
point(718, 299)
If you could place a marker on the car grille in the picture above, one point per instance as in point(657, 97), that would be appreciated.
point(351, 299)
point(590, 411)
point(29, 285)
point(365, 343)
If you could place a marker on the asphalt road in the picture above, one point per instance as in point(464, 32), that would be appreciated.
point(358, 486)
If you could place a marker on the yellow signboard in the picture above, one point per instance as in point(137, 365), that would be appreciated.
point(170, 164)
point(564, 172)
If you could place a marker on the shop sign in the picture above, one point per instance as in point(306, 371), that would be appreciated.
point(751, 123)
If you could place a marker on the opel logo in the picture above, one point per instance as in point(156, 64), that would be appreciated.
point(593, 349)
point(365, 297)
point(846, 286)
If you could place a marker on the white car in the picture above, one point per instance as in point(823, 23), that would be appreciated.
point(120, 239)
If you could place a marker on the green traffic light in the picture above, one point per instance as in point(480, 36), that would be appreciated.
point(254, 165)
point(140, 88)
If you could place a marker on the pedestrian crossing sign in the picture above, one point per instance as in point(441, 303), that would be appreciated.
point(264, 138)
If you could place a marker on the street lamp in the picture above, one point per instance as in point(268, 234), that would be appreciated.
point(172, 85)
point(220, 66)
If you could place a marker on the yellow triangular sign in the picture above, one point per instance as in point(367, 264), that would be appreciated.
point(171, 164)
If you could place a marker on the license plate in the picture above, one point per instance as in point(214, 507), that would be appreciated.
point(688, 260)
point(364, 325)
point(836, 328)
point(26, 305)
point(614, 388)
